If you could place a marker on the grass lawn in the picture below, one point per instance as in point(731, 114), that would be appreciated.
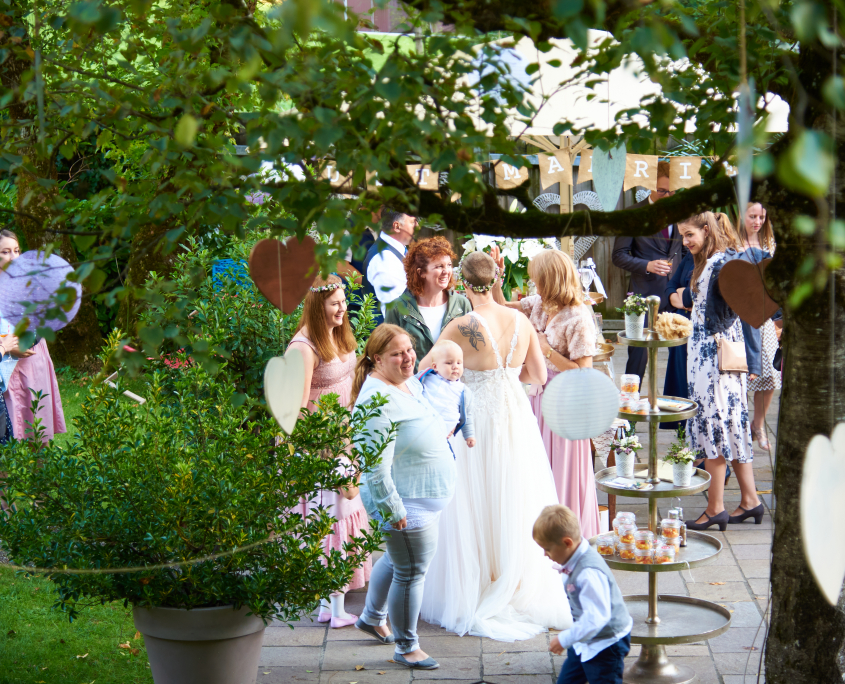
point(38, 644)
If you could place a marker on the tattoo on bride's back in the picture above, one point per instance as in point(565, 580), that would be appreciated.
point(471, 331)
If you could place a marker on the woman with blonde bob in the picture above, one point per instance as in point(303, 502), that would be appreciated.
point(405, 492)
point(325, 340)
point(567, 334)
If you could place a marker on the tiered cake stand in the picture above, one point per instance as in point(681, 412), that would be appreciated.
point(681, 619)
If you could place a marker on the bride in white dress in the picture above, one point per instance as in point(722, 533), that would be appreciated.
point(489, 578)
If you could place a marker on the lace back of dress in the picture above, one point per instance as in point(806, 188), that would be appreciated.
point(507, 363)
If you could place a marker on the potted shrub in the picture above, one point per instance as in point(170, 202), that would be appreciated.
point(634, 308)
point(681, 457)
point(626, 449)
point(183, 508)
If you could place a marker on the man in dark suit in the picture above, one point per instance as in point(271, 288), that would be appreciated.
point(651, 261)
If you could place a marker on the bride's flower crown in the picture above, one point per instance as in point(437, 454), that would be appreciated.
point(476, 288)
point(329, 287)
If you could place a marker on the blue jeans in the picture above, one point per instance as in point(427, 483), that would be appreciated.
point(396, 583)
point(603, 668)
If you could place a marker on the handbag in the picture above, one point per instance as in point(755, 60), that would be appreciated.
point(777, 362)
point(732, 357)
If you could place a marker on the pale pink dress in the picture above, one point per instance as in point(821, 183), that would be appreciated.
point(572, 333)
point(335, 377)
point(35, 372)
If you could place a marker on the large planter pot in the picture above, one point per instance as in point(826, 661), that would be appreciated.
point(625, 463)
point(201, 646)
point(682, 474)
point(634, 324)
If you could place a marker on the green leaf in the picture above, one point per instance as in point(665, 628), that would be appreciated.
point(808, 164)
point(804, 225)
point(94, 282)
point(566, 9)
point(833, 91)
point(186, 130)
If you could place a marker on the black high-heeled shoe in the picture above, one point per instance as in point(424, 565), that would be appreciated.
point(720, 519)
point(756, 513)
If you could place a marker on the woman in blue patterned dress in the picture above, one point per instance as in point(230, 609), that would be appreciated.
point(721, 431)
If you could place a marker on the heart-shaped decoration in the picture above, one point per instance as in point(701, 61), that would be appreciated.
point(822, 503)
point(283, 271)
point(609, 175)
point(741, 284)
point(284, 387)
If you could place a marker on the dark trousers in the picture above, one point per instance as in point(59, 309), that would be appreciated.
point(603, 668)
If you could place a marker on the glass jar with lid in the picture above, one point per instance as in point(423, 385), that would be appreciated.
point(626, 551)
point(644, 539)
point(626, 532)
point(643, 556)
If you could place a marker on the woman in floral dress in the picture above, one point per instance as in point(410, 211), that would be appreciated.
point(720, 432)
point(328, 346)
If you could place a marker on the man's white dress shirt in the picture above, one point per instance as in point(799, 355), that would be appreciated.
point(386, 272)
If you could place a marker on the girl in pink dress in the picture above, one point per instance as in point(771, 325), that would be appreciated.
point(33, 371)
point(325, 339)
point(567, 335)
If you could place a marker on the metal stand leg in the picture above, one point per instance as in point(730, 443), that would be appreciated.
point(654, 667)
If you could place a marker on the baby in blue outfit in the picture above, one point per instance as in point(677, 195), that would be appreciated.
point(444, 390)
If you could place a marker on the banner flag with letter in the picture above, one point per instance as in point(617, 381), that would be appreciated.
point(641, 171)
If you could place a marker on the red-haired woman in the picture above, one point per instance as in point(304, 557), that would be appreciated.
point(430, 302)
point(325, 339)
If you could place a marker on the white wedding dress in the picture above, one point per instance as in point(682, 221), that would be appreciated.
point(489, 578)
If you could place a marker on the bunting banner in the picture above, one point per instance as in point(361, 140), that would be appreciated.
point(684, 172)
point(424, 177)
point(641, 171)
point(585, 170)
point(508, 177)
point(555, 168)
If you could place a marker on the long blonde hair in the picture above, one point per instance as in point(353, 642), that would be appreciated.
point(380, 340)
point(713, 243)
point(729, 234)
point(767, 233)
point(556, 278)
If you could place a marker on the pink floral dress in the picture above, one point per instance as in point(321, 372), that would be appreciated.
point(335, 377)
point(572, 333)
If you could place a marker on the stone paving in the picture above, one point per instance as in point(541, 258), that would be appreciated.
point(738, 579)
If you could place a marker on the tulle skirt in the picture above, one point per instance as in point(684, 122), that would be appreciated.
point(489, 577)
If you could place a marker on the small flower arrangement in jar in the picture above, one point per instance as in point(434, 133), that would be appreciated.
point(681, 457)
point(626, 449)
point(634, 308)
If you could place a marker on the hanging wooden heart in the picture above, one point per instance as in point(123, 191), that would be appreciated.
point(283, 271)
point(741, 284)
point(609, 175)
point(284, 387)
point(822, 504)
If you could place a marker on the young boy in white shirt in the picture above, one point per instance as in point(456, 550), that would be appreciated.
point(598, 642)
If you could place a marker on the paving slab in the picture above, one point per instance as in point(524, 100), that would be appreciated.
point(743, 614)
point(760, 587)
point(730, 591)
point(753, 569)
point(714, 573)
point(287, 675)
point(521, 679)
point(402, 676)
point(752, 551)
point(298, 636)
point(738, 663)
point(451, 646)
point(452, 668)
point(305, 657)
point(738, 640)
point(517, 663)
point(538, 643)
point(345, 655)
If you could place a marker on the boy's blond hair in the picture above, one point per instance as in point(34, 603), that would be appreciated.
point(555, 523)
point(442, 345)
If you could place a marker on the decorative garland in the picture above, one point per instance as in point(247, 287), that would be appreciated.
point(477, 288)
point(329, 287)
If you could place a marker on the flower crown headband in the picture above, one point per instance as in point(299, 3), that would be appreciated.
point(329, 287)
point(476, 288)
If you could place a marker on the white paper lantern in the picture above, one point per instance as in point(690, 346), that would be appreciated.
point(580, 404)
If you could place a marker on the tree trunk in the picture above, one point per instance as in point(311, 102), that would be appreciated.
point(807, 634)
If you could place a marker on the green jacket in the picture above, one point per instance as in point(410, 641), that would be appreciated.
point(405, 313)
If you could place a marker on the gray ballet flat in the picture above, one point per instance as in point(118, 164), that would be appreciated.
point(427, 664)
point(369, 629)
